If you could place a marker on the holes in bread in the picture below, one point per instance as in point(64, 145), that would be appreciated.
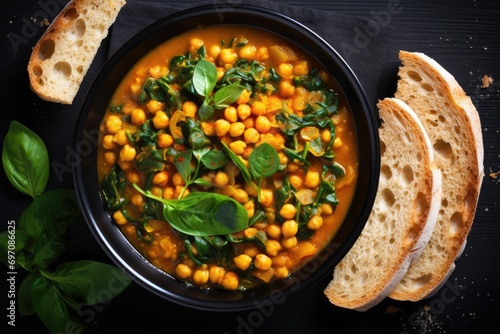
point(63, 68)
point(37, 71)
point(382, 148)
point(427, 87)
point(443, 148)
point(385, 172)
point(408, 174)
point(388, 197)
point(423, 280)
point(70, 14)
point(79, 28)
point(414, 76)
point(456, 223)
point(46, 49)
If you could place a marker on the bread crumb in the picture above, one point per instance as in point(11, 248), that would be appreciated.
point(494, 175)
point(487, 81)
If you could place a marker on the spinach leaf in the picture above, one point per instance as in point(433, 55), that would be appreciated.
point(237, 161)
point(84, 281)
point(227, 95)
point(112, 188)
point(202, 213)
point(25, 160)
point(214, 159)
point(52, 309)
point(204, 77)
point(149, 160)
point(263, 162)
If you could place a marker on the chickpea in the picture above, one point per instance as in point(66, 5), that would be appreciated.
point(251, 136)
point(242, 261)
point(183, 271)
point(230, 281)
point(208, 128)
point(200, 276)
point(247, 52)
point(262, 53)
point(326, 209)
point(272, 247)
point(289, 228)
point(113, 124)
point(285, 70)
point(246, 153)
point(250, 188)
point(168, 193)
point(236, 129)
point(312, 179)
point(216, 274)
point(266, 197)
point(110, 158)
point(258, 108)
point(227, 56)
point(238, 147)
point(138, 116)
point(240, 196)
point(283, 158)
point(161, 120)
point(160, 178)
point(221, 179)
point(288, 211)
point(262, 262)
point(289, 243)
point(262, 124)
point(274, 231)
point(286, 89)
point(281, 272)
point(137, 200)
point(108, 143)
point(153, 106)
point(249, 122)
point(250, 207)
point(157, 71)
point(230, 114)
point(124, 165)
point(165, 140)
point(251, 251)
point(326, 136)
point(178, 190)
point(222, 127)
point(250, 232)
point(315, 222)
point(120, 137)
point(244, 111)
point(177, 179)
point(127, 153)
point(190, 108)
point(337, 142)
point(280, 260)
point(157, 191)
point(301, 68)
point(214, 50)
point(244, 97)
point(194, 45)
point(119, 218)
point(220, 73)
point(292, 167)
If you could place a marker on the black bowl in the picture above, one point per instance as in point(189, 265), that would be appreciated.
point(113, 241)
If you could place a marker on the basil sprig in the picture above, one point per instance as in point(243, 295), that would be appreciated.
point(204, 82)
point(39, 239)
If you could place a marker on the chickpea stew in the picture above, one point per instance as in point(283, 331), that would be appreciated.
point(228, 157)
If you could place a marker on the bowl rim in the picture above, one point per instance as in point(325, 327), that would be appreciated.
point(221, 300)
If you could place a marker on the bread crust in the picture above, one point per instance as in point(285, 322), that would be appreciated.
point(403, 217)
point(454, 128)
point(62, 56)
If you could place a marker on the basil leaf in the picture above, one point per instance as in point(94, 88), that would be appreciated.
point(214, 159)
point(237, 161)
point(89, 282)
point(206, 111)
point(204, 77)
point(25, 160)
point(52, 310)
point(24, 299)
point(227, 95)
point(264, 161)
point(202, 213)
point(19, 240)
point(182, 161)
point(45, 221)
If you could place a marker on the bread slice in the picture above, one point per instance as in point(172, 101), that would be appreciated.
point(403, 216)
point(62, 56)
point(454, 128)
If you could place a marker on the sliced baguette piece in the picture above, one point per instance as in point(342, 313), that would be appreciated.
point(62, 56)
point(453, 125)
point(403, 215)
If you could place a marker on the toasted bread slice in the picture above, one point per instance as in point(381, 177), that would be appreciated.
point(62, 56)
point(454, 128)
point(403, 215)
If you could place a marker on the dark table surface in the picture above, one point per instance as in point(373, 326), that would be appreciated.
point(463, 36)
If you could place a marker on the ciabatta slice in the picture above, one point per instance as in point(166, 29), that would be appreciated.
point(454, 128)
point(62, 56)
point(403, 215)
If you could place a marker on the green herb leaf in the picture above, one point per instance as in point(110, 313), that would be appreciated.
point(204, 77)
point(214, 159)
point(227, 95)
point(51, 308)
point(206, 111)
point(182, 161)
point(264, 161)
point(203, 213)
point(24, 299)
point(45, 222)
point(89, 282)
point(25, 160)
point(237, 161)
point(18, 241)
